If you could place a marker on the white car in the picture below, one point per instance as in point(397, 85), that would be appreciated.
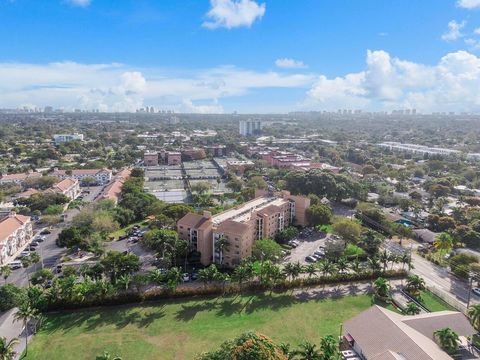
point(476, 291)
point(186, 277)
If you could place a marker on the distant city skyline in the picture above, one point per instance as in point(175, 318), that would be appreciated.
point(248, 56)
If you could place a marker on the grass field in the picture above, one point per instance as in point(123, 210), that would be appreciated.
point(179, 330)
point(433, 302)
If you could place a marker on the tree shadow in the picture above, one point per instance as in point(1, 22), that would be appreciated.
point(188, 312)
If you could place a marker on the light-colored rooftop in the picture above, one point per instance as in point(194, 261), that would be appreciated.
point(244, 212)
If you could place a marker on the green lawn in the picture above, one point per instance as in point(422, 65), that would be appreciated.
point(181, 329)
point(433, 303)
point(125, 230)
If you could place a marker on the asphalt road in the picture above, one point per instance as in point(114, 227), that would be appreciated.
point(49, 252)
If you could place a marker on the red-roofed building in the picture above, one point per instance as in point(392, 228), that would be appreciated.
point(69, 187)
point(15, 232)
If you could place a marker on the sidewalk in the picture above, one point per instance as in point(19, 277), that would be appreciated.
point(11, 329)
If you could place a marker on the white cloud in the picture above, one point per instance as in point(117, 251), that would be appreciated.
point(468, 4)
point(117, 87)
point(476, 31)
point(454, 31)
point(233, 13)
point(287, 63)
point(81, 3)
point(388, 83)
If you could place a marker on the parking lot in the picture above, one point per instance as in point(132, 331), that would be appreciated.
point(307, 246)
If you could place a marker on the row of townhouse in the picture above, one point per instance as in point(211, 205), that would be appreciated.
point(15, 232)
point(113, 189)
point(101, 176)
point(69, 187)
point(261, 218)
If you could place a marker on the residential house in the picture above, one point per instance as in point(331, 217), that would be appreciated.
point(381, 334)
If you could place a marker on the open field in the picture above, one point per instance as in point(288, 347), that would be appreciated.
point(181, 329)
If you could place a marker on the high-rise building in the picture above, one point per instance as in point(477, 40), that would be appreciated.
point(249, 127)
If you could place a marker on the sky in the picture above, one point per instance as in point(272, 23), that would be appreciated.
point(249, 56)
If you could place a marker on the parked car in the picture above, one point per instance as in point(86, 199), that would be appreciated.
point(34, 243)
point(45, 232)
point(14, 265)
point(58, 269)
point(310, 259)
point(194, 276)
point(186, 277)
point(476, 291)
point(319, 254)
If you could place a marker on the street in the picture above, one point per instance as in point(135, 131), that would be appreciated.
point(48, 250)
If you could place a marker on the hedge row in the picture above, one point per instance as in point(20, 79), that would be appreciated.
point(154, 294)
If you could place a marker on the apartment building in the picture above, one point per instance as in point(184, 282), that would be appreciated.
point(150, 159)
point(260, 218)
point(101, 176)
point(174, 158)
point(18, 178)
point(69, 187)
point(61, 138)
point(15, 232)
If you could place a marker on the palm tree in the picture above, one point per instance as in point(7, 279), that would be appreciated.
point(474, 316)
point(156, 276)
point(411, 309)
point(25, 313)
point(6, 348)
point(289, 270)
point(5, 271)
point(355, 265)
point(381, 289)
point(373, 264)
point(204, 276)
point(405, 259)
point(329, 348)
point(106, 356)
point(443, 242)
point(448, 340)
point(326, 267)
point(34, 259)
point(342, 265)
point(287, 351)
point(384, 258)
point(240, 275)
point(308, 351)
point(394, 259)
point(123, 282)
point(222, 244)
point(415, 284)
point(311, 270)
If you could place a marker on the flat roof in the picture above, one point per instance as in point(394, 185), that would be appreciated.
point(244, 212)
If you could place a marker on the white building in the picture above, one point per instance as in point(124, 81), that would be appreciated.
point(61, 138)
point(101, 176)
point(249, 127)
point(69, 187)
point(15, 232)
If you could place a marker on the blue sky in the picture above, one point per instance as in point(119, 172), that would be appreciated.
point(244, 55)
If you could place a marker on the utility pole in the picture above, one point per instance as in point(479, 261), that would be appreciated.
point(470, 282)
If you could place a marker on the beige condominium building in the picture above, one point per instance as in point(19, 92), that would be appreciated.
point(260, 218)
